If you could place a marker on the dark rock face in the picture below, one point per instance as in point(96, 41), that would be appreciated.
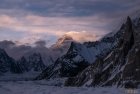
point(85, 75)
point(68, 65)
point(132, 69)
point(119, 66)
point(130, 85)
point(47, 73)
point(23, 64)
point(7, 64)
point(33, 62)
point(78, 57)
point(72, 63)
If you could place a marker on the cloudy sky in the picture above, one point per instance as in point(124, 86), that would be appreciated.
point(27, 21)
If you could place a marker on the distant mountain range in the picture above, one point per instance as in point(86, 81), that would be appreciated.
point(120, 66)
point(23, 58)
point(114, 60)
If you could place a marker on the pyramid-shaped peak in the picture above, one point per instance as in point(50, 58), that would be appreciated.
point(66, 37)
point(128, 18)
point(129, 21)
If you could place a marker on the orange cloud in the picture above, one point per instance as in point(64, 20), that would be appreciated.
point(36, 26)
point(82, 36)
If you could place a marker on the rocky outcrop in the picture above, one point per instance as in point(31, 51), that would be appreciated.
point(78, 57)
point(68, 65)
point(32, 62)
point(7, 64)
point(119, 66)
point(132, 69)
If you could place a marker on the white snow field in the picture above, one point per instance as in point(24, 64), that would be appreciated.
point(13, 84)
point(43, 87)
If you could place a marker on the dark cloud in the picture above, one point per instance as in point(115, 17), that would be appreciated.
point(56, 17)
point(70, 7)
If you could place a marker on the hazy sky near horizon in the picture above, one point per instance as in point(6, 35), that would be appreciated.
point(27, 21)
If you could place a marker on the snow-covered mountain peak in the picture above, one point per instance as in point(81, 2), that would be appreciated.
point(119, 66)
point(65, 38)
point(63, 41)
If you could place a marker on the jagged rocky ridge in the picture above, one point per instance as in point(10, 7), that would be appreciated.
point(33, 62)
point(112, 61)
point(79, 57)
point(120, 66)
point(7, 64)
point(34, 59)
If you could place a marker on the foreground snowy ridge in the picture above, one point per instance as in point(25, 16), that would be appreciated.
point(41, 87)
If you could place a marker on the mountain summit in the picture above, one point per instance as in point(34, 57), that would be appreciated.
point(120, 66)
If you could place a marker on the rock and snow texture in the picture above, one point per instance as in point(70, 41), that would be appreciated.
point(78, 57)
point(120, 66)
point(19, 51)
point(31, 59)
point(111, 61)
point(33, 62)
point(61, 46)
point(7, 64)
point(48, 55)
point(24, 69)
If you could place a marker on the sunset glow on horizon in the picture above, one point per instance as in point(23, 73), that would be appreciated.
point(28, 21)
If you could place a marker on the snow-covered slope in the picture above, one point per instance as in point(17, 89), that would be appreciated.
point(49, 55)
point(33, 62)
point(32, 59)
point(7, 64)
point(41, 87)
point(114, 60)
point(45, 54)
point(61, 46)
point(120, 66)
point(78, 57)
